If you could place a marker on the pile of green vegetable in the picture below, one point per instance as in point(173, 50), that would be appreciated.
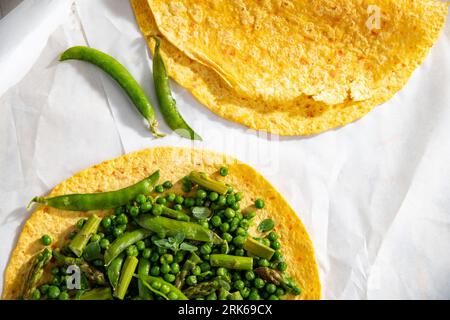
point(162, 245)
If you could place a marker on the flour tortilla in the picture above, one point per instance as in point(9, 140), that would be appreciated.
point(323, 103)
point(174, 164)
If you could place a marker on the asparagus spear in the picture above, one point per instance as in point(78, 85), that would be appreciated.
point(91, 273)
point(203, 180)
point(178, 215)
point(231, 262)
point(97, 294)
point(81, 239)
point(190, 263)
point(170, 227)
point(258, 249)
point(126, 275)
point(143, 270)
point(278, 278)
point(235, 296)
point(202, 289)
point(35, 273)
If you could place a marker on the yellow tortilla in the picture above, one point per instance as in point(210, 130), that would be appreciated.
point(174, 164)
point(350, 95)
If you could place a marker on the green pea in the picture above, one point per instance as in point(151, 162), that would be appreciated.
point(178, 207)
point(154, 271)
point(239, 241)
point(239, 285)
point(263, 262)
point(216, 221)
point(179, 199)
point(282, 266)
point(272, 236)
point(161, 251)
point(249, 275)
point(204, 266)
point(140, 245)
point(277, 256)
point(167, 184)
point(104, 243)
point(156, 285)
point(213, 196)
point(244, 223)
point(134, 212)
point(165, 268)
point(154, 257)
point(279, 292)
point(250, 215)
point(106, 222)
point(259, 203)
point(80, 223)
point(44, 288)
point(189, 202)
point(227, 237)
point(222, 200)
point(157, 210)
point(64, 295)
point(159, 189)
point(146, 207)
point(201, 194)
point(167, 258)
point(253, 296)
point(196, 271)
point(245, 292)
point(46, 240)
point(239, 252)
point(161, 200)
point(205, 249)
point(221, 271)
point(146, 253)
point(53, 292)
point(271, 288)
point(223, 171)
point(230, 199)
point(117, 232)
point(132, 251)
point(224, 227)
point(275, 245)
point(141, 198)
point(191, 280)
point(273, 297)
point(265, 242)
point(175, 267)
point(172, 295)
point(179, 256)
point(259, 283)
point(95, 238)
point(36, 295)
point(229, 213)
point(211, 296)
point(171, 197)
point(241, 232)
point(122, 219)
point(235, 206)
point(169, 277)
point(238, 196)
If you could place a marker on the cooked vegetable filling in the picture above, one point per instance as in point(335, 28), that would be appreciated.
point(162, 245)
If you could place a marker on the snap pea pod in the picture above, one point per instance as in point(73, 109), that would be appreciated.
point(36, 272)
point(205, 181)
point(101, 200)
point(113, 270)
point(162, 288)
point(231, 262)
point(143, 270)
point(119, 73)
point(126, 275)
point(123, 242)
point(78, 243)
point(167, 103)
point(170, 227)
point(178, 215)
point(97, 294)
point(190, 263)
point(258, 249)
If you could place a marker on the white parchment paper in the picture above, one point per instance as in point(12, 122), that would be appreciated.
point(373, 195)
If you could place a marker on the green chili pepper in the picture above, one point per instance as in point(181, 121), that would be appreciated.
point(166, 102)
point(203, 180)
point(78, 243)
point(113, 270)
point(231, 262)
point(126, 274)
point(162, 288)
point(143, 270)
point(170, 227)
point(97, 294)
point(119, 73)
point(102, 200)
point(123, 242)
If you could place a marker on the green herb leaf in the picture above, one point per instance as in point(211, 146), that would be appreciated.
point(266, 225)
point(201, 212)
point(179, 237)
point(166, 244)
point(188, 247)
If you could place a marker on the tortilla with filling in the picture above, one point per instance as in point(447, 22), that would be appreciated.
point(337, 91)
point(174, 164)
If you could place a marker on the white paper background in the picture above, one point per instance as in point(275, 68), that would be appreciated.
point(374, 195)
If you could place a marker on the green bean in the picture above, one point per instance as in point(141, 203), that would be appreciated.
point(143, 270)
point(119, 73)
point(166, 102)
point(178, 215)
point(113, 270)
point(203, 180)
point(190, 263)
point(97, 294)
point(162, 288)
point(78, 243)
point(123, 242)
point(170, 227)
point(231, 262)
point(102, 200)
point(36, 272)
point(126, 275)
point(258, 249)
